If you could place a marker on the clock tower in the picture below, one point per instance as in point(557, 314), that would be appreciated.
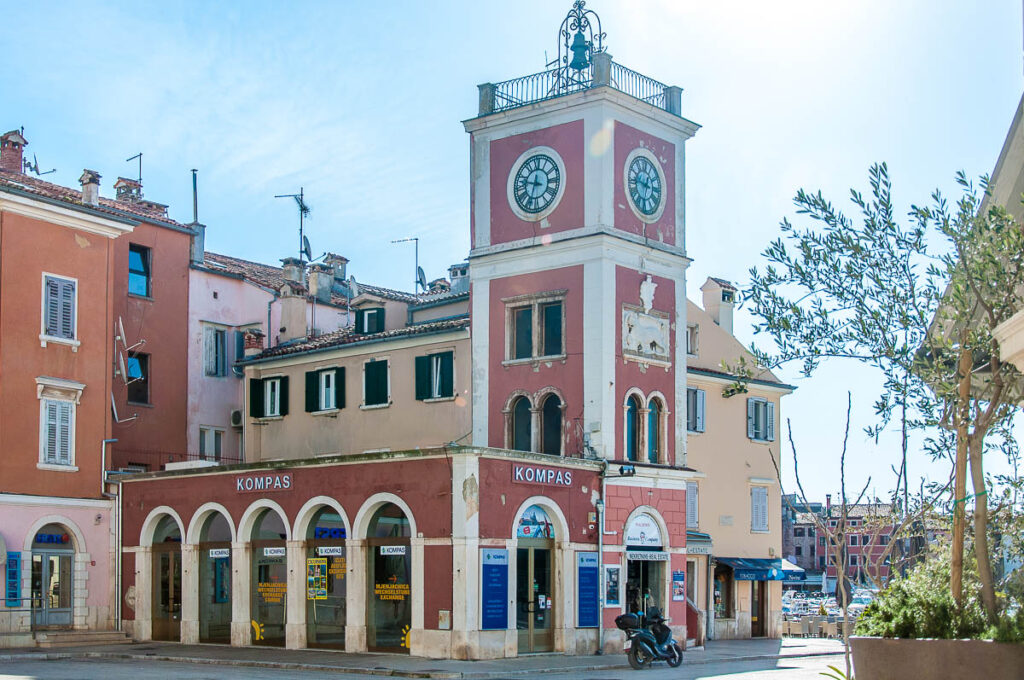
point(578, 259)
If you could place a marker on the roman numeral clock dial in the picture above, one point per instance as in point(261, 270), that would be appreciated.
point(536, 183)
point(644, 186)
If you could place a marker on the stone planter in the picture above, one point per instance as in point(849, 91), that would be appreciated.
point(905, 659)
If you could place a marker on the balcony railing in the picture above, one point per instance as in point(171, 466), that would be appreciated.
point(558, 82)
point(128, 460)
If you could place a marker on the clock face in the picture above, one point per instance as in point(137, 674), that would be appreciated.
point(536, 183)
point(644, 182)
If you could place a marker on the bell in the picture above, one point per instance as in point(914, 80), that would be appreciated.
point(579, 48)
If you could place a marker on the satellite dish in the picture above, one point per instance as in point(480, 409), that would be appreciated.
point(353, 286)
point(121, 369)
point(120, 333)
point(306, 249)
point(421, 278)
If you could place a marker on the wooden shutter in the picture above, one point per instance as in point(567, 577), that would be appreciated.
point(256, 407)
point(312, 391)
point(700, 410)
point(447, 374)
point(360, 321)
point(759, 508)
point(375, 375)
point(67, 309)
point(50, 452)
point(769, 416)
point(239, 352)
point(209, 350)
point(52, 307)
point(339, 388)
point(283, 398)
point(378, 324)
point(751, 405)
point(692, 505)
point(64, 432)
point(422, 378)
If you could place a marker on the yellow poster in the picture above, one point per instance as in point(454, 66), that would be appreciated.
point(316, 578)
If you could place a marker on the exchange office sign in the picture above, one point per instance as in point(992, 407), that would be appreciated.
point(263, 483)
point(539, 474)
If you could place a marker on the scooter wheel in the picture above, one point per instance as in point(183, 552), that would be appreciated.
point(677, 656)
point(638, 658)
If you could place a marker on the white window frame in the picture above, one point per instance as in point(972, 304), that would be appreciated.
point(435, 375)
point(853, 560)
point(692, 505)
point(692, 339)
point(45, 338)
point(363, 406)
point(536, 302)
point(755, 526)
point(767, 409)
point(853, 539)
point(700, 409)
point(328, 388)
point(272, 395)
point(208, 442)
point(60, 391)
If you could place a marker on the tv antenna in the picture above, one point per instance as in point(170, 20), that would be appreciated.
point(139, 156)
point(33, 166)
point(419, 279)
point(300, 201)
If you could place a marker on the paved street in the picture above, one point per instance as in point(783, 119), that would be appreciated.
point(134, 669)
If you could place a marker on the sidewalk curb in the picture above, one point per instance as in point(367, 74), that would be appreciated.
point(438, 675)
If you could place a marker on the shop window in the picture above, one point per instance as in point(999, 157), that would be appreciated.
point(60, 307)
point(210, 443)
point(325, 389)
point(759, 508)
point(632, 428)
point(215, 351)
point(370, 320)
point(139, 279)
point(521, 427)
point(435, 376)
point(723, 592)
point(137, 367)
point(695, 400)
point(654, 415)
point(376, 383)
point(268, 397)
point(536, 328)
point(551, 425)
point(760, 419)
point(692, 505)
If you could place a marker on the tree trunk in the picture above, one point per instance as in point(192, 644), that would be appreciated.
point(961, 416)
point(988, 589)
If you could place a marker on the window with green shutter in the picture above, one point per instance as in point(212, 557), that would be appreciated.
point(435, 376)
point(325, 389)
point(370, 320)
point(375, 383)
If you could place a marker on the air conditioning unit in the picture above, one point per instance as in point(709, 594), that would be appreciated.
point(236, 418)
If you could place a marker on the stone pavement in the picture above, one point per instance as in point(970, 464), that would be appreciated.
point(397, 665)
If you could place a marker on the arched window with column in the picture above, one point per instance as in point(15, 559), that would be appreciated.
point(633, 428)
point(551, 425)
point(655, 413)
point(520, 427)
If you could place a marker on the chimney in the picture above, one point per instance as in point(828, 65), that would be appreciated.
point(252, 342)
point(828, 504)
point(293, 309)
point(293, 270)
point(719, 300)
point(90, 181)
point(438, 286)
point(198, 243)
point(321, 278)
point(338, 265)
point(12, 146)
point(128, 190)
point(458, 274)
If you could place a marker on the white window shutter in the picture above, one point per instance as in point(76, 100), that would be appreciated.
point(64, 423)
point(209, 360)
point(759, 508)
point(769, 414)
point(751, 406)
point(692, 506)
point(700, 410)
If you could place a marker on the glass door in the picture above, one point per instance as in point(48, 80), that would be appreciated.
point(535, 596)
point(167, 592)
point(269, 593)
point(51, 589)
point(390, 610)
point(215, 592)
point(757, 609)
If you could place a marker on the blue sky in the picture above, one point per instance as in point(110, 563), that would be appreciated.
point(361, 103)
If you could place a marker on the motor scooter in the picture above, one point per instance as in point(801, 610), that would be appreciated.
point(649, 639)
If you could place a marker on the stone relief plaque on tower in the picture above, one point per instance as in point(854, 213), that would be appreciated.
point(645, 332)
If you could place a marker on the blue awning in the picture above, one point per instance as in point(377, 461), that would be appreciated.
point(761, 569)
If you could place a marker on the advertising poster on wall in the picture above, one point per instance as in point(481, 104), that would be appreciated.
point(316, 578)
point(612, 586)
point(588, 590)
point(493, 589)
point(679, 586)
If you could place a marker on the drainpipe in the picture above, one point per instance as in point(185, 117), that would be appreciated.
point(117, 530)
point(600, 556)
point(103, 464)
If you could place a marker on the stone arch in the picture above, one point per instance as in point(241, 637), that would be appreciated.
point(153, 520)
point(554, 513)
point(309, 509)
point(202, 514)
point(77, 537)
point(658, 519)
point(248, 519)
point(361, 524)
